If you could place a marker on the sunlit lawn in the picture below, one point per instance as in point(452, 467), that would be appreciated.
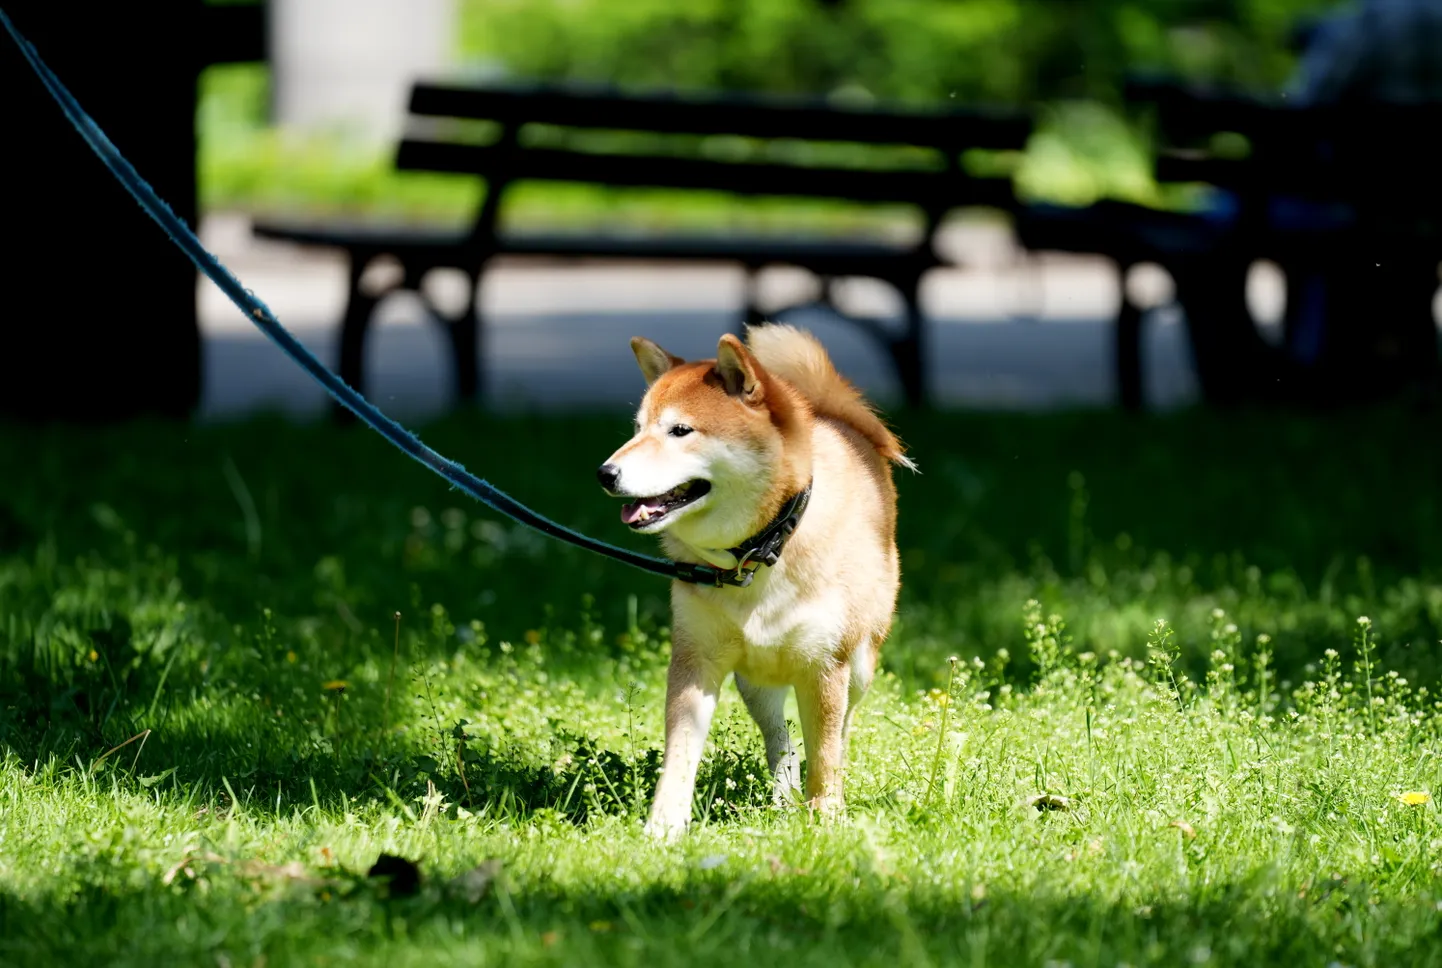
point(212, 730)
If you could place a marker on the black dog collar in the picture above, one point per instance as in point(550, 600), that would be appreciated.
point(762, 548)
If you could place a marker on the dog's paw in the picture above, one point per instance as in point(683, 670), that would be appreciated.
point(664, 830)
point(786, 784)
point(827, 808)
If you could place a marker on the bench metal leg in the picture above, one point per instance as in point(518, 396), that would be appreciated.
point(359, 308)
point(1129, 349)
point(463, 329)
point(1378, 335)
point(1233, 364)
point(465, 332)
point(908, 351)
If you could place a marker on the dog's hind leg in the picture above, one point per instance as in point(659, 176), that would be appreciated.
point(767, 705)
point(823, 699)
point(863, 670)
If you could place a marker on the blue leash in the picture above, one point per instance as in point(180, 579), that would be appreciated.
point(259, 314)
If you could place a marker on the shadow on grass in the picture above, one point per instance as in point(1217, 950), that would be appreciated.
point(209, 746)
point(760, 916)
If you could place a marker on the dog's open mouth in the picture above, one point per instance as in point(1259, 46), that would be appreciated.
point(648, 510)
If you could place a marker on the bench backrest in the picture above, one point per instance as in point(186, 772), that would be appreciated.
point(748, 115)
point(933, 179)
point(1345, 151)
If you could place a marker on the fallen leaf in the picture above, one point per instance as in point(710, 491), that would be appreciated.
point(181, 865)
point(1185, 828)
point(187, 865)
point(1049, 801)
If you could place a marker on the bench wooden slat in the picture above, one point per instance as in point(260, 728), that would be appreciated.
point(761, 117)
point(932, 188)
point(360, 235)
point(1126, 232)
point(1412, 180)
point(452, 248)
point(1222, 172)
point(1187, 113)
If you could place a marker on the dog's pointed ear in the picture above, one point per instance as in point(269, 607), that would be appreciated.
point(740, 373)
point(654, 361)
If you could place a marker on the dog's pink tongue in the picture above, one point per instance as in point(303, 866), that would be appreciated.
point(630, 513)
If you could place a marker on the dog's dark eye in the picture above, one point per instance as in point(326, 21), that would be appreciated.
point(680, 430)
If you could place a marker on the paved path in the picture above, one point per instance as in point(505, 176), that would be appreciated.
point(1005, 335)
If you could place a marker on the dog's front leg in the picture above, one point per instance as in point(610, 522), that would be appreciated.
point(692, 685)
point(822, 699)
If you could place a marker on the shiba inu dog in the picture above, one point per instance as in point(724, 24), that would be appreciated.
point(771, 475)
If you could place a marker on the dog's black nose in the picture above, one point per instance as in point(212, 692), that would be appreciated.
point(608, 475)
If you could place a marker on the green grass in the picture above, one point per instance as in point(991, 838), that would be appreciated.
point(1227, 788)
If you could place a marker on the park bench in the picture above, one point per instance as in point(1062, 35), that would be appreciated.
point(1345, 199)
point(1197, 248)
point(1305, 187)
point(748, 146)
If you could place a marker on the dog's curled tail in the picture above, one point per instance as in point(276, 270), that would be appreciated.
point(799, 358)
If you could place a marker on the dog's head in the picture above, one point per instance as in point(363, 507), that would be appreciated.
point(719, 445)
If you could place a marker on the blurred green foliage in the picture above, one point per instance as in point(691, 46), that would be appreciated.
point(1013, 51)
point(1067, 58)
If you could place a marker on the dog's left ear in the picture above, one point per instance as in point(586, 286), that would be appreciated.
point(653, 360)
point(740, 373)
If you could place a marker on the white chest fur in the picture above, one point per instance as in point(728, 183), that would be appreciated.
point(772, 632)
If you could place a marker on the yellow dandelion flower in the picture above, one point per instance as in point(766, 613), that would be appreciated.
point(93, 655)
point(290, 657)
point(335, 685)
point(532, 637)
point(1414, 798)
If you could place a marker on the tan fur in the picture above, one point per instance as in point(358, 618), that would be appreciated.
point(800, 359)
point(767, 417)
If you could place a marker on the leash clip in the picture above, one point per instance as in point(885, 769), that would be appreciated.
point(741, 577)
